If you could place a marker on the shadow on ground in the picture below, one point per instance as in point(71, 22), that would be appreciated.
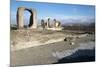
point(86, 55)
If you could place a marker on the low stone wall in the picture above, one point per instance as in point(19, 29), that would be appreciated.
point(59, 28)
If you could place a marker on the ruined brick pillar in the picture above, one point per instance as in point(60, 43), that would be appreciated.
point(20, 17)
point(56, 23)
point(48, 23)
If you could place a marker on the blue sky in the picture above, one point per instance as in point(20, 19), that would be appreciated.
point(58, 11)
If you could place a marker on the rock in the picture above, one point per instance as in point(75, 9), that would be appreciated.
point(72, 43)
point(65, 39)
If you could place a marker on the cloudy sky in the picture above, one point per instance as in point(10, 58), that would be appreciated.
point(58, 11)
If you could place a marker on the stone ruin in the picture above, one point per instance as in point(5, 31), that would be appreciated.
point(33, 20)
point(20, 18)
point(56, 25)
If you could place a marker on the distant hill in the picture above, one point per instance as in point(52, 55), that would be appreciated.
point(89, 27)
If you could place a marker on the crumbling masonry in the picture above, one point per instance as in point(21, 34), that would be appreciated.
point(20, 18)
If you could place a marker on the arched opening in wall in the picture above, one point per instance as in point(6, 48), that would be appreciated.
point(27, 16)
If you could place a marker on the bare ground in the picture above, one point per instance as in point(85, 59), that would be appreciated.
point(43, 54)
